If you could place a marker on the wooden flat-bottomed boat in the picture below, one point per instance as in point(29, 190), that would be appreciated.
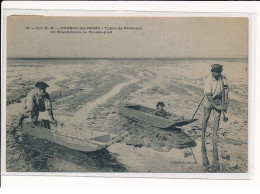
point(146, 115)
point(46, 131)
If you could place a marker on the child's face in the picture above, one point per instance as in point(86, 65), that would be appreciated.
point(42, 91)
point(160, 107)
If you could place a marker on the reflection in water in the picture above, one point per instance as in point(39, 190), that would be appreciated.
point(204, 153)
point(215, 162)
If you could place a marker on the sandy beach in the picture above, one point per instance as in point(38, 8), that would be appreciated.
point(87, 94)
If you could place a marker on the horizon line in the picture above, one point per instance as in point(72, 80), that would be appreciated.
point(123, 58)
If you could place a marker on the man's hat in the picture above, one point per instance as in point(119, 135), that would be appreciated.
point(216, 67)
point(41, 85)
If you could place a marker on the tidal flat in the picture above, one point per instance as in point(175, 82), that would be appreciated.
point(87, 94)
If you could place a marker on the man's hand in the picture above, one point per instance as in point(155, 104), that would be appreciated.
point(221, 107)
point(54, 122)
point(226, 107)
point(32, 124)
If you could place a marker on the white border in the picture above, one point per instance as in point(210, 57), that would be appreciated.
point(216, 9)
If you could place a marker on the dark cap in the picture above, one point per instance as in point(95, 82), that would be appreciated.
point(160, 104)
point(41, 85)
point(216, 67)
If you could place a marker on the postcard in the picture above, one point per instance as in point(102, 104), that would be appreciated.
point(129, 94)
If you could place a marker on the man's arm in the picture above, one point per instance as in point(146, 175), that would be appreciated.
point(30, 106)
point(50, 113)
point(33, 121)
point(48, 106)
point(209, 97)
point(31, 117)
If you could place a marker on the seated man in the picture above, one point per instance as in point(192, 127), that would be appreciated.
point(37, 100)
point(160, 112)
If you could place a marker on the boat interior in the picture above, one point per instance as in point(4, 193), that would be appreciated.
point(142, 109)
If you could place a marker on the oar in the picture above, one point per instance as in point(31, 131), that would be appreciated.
point(197, 108)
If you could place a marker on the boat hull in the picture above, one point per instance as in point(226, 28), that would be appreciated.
point(143, 114)
point(95, 143)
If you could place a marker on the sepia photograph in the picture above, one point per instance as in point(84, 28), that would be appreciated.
point(127, 94)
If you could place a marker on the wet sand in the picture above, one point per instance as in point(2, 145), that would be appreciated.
point(86, 96)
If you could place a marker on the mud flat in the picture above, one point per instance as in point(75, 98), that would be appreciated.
point(88, 96)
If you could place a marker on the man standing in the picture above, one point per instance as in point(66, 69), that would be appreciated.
point(38, 100)
point(216, 98)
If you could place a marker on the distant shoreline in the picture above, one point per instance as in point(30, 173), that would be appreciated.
point(175, 59)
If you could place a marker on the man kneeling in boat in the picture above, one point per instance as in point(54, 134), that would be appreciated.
point(38, 100)
point(216, 93)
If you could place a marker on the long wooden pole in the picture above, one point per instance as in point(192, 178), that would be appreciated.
point(191, 120)
point(198, 107)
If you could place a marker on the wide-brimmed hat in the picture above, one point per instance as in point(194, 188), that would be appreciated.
point(41, 85)
point(216, 67)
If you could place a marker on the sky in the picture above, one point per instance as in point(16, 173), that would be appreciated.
point(160, 37)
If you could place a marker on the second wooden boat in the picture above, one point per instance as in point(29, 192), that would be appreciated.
point(146, 115)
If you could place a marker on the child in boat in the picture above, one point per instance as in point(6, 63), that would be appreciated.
point(160, 112)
